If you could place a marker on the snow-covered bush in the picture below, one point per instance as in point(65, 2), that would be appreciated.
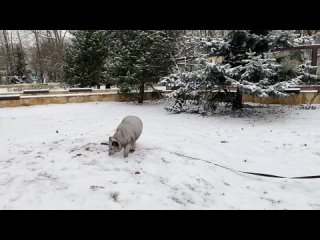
point(248, 64)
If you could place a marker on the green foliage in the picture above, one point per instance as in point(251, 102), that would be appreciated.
point(19, 67)
point(85, 58)
point(137, 57)
point(296, 55)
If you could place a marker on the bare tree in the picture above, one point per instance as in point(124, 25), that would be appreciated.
point(43, 50)
point(8, 55)
point(39, 54)
point(52, 52)
point(21, 50)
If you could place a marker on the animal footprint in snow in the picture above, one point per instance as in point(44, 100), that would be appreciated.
point(94, 188)
point(115, 196)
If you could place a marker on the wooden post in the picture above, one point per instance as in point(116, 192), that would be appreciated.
point(314, 57)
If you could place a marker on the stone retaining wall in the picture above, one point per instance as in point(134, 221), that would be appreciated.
point(71, 98)
point(311, 97)
point(297, 97)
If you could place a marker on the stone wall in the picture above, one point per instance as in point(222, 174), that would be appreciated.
point(73, 98)
point(311, 97)
point(306, 96)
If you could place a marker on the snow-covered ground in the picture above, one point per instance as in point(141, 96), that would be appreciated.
point(51, 158)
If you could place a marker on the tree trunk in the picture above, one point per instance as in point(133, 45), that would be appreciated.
point(141, 93)
point(9, 62)
point(13, 53)
point(55, 76)
point(39, 56)
point(237, 102)
point(7, 68)
point(22, 53)
point(50, 75)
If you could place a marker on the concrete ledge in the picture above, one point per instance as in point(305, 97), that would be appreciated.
point(68, 95)
point(9, 97)
point(293, 99)
point(33, 86)
point(311, 96)
point(80, 90)
point(292, 90)
point(309, 91)
point(35, 91)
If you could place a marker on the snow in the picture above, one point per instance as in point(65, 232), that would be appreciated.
point(162, 88)
point(9, 95)
point(51, 158)
point(308, 91)
point(292, 89)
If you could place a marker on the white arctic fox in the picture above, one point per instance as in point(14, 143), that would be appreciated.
point(126, 135)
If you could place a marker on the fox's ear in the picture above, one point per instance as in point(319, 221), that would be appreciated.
point(110, 138)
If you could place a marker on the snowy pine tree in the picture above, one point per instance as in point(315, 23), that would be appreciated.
point(137, 57)
point(85, 58)
point(249, 64)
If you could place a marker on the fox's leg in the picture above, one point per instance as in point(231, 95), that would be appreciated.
point(133, 147)
point(127, 149)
